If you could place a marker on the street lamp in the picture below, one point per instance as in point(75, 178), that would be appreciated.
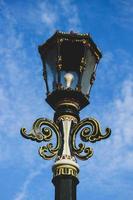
point(69, 67)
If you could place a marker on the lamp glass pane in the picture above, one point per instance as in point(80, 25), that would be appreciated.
point(71, 54)
point(50, 59)
point(87, 74)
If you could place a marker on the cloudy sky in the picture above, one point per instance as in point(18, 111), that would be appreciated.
point(23, 26)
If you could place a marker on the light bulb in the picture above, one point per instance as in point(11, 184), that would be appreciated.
point(69, 79)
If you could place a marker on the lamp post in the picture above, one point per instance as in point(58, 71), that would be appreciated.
point(69, 67)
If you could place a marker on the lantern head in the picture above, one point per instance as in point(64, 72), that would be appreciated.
point(69, 67)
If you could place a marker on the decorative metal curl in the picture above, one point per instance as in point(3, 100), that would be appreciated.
point(92, 134)
point(40, 133)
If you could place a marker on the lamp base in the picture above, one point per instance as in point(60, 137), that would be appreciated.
point(67, 96)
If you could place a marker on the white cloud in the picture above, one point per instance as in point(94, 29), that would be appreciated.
point(48, 15)
point(52, 15)
point(23, 193)
point(45, 17)
point(71, 12)
point(19, 97)
point(127, 6)
point(124, 117)
point(114, 156)
point(124, 15)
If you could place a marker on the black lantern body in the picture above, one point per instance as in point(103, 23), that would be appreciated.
point(69, 64)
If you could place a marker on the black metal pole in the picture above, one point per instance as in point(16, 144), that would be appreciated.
point(65, 187)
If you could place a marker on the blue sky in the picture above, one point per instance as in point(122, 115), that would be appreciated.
point(23, 26)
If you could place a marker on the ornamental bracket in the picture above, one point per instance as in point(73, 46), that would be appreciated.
point(43, 130)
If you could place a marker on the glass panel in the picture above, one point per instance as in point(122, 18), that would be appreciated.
point(71, 54)
point(89, 69)
point(51, 68)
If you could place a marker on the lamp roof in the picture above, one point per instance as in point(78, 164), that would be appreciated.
point(59, 37)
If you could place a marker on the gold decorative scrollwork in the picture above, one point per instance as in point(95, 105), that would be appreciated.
point(43, 130)
point(92, 134)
